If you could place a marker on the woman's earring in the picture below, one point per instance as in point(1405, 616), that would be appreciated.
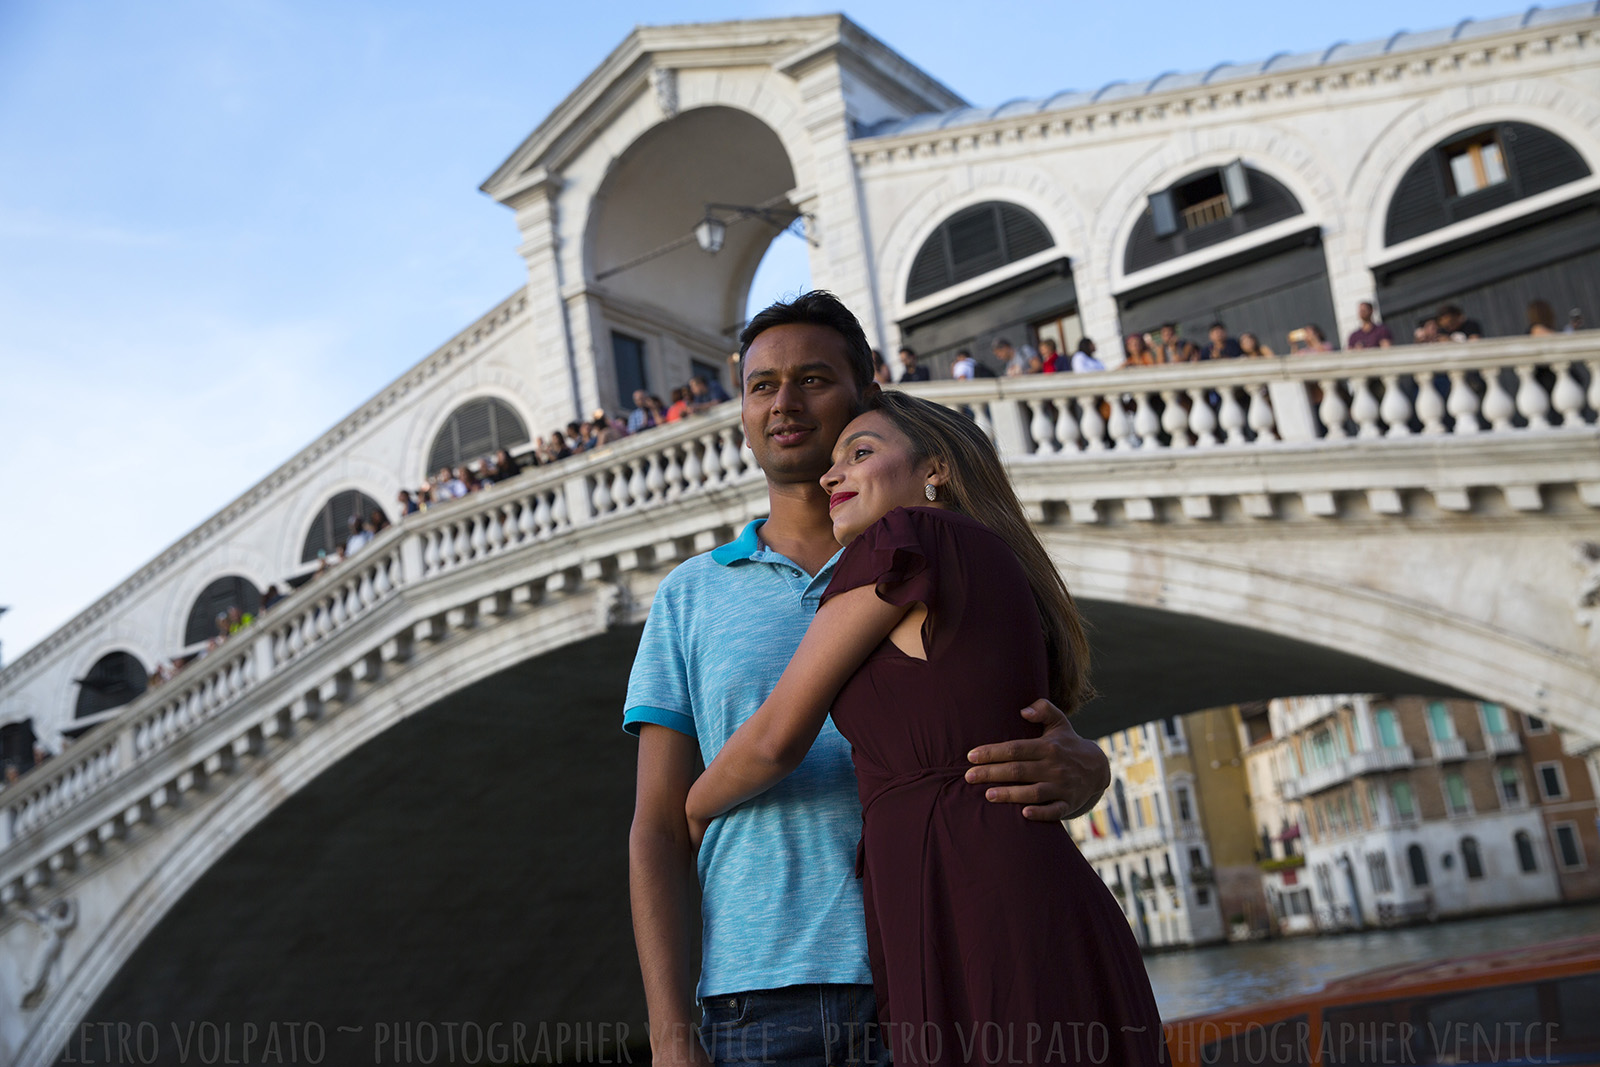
point(930, 492)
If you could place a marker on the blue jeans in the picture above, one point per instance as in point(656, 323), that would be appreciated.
point(797, 1026)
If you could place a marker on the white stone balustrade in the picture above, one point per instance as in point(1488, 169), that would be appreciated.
point(1427, 391)
point(1344, 400)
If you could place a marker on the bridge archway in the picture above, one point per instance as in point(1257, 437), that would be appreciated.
point(439, 872)
point(663, 309)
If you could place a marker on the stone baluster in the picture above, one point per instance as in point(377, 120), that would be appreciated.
point(352, 601)
point(479, 539)
point(1532, 401)
point(1145, 421)
point(982, 420)
point(1396, 407)
point(709, 459)
point(732, 461)
point(1093, 426)
point(1174, 419)
point(654, 480)
point(1119, 426)
point(324, 619)
point(619, 487)
point(503, 528)
point(430, 552)
point(365, 590)
point(638, 488)
point(336, 609)
point(560, 519)
point(1430, 405)
point(447, 556)
point(1364, 408)
point(1068, 436)
point(542, 521)
point(1498, 407)
point(693, 468)
point(1594, 386)
point(1567, 396)
point(1202, 420)
point(600, 495)
point(1332, 411)
point(1039, 429)
point(382, 582)
point(1463, 404)
point(674, 474)
point(1230, 415)
point(1260, 417)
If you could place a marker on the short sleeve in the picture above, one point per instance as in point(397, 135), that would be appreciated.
point(658, 687)
point(909, 556)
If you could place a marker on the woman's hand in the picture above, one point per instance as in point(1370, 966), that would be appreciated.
point(697, 832)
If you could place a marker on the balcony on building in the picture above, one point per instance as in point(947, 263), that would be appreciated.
point(1367, 761)
point(1097, 848)
point(1449, 749)
point(1504, 742)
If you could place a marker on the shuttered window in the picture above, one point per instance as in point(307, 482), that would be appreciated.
point(477, 428)
point(115, 679)
point(1203, 209)
point(974, 241)
point(331, 527)
point(1475, 171)
point(222, 594)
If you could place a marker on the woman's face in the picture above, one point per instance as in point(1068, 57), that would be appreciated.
point(874, 471)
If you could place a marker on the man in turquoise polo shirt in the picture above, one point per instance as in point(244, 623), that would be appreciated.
point(784, 973)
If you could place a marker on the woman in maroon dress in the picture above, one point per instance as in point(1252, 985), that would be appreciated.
point(992, 939)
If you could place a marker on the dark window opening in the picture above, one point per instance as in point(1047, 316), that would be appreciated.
point(1525, 857)
point(1470, 858)
point(331, 527)
point(974, 241)
point(1476, 171)
point(1567, 846)
point(627, 353)
point(115, 679)
point(1419, 866)
point(1204, 209)
point(218, 597)
point(475, 429)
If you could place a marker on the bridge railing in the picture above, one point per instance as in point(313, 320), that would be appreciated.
point(1500, 387)
point(674, 463)
point(1492, 387)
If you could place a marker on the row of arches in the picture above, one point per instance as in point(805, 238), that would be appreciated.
point(1552, 254)
point(479, 426)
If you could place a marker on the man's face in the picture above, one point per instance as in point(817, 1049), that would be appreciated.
point(1168, 334)
point(1364, 312)
point(1004, 353)
point(798, 395)
point(908, 358)
point(1218, 335)
point(638, 398)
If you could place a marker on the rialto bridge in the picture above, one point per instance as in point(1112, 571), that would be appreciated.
point(402, 795)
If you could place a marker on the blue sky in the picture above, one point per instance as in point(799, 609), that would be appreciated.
point(225, 223)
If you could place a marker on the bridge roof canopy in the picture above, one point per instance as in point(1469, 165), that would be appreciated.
point(788, 45)
point(1395, 44)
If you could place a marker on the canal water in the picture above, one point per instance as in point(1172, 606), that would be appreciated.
point(1195, 981)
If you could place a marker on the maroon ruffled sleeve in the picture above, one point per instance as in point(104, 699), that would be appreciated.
point(909, 556)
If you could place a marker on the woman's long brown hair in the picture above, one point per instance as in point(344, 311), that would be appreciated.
point(979, 487)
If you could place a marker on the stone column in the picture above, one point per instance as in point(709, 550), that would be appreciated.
point(554, 373)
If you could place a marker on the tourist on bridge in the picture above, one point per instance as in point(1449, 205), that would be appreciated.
point(784, 944)
point(1369, 334)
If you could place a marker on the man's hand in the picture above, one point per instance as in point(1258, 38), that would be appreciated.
point(1056, 776)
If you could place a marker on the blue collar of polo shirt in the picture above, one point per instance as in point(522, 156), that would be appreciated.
point(743, 547)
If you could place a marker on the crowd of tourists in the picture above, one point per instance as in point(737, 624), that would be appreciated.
point(1166, 344)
